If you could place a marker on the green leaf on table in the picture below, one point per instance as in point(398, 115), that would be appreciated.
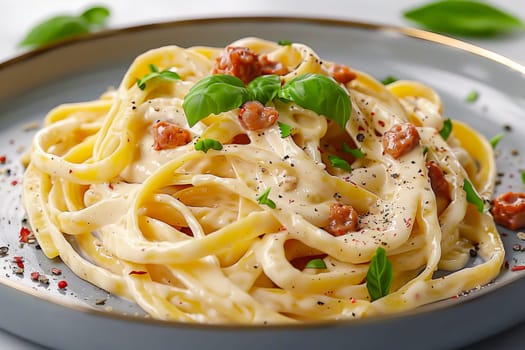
point(389, 80)
point(284, 42)
point(472, 96)
point(464, 17)
point(379, 275)
point(61, 27)
point(496, 139)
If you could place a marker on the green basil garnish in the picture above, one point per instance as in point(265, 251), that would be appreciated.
point(213, 95)
point(154, 73)
point(320, 94)
point(447, 129)
point(338, 162)
point(263, 199)
point(472, 196)
point(264, 88)
point(316, 264)
point(284, 42)
point(379, 275)
point(207, 144)
point(66, 26)
point(389, 80)
point(523, 177)
point(464, 17)
point(286, 130)
point(355, 152)
point(496, 139)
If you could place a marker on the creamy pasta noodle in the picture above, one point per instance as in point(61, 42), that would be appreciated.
point(258, 183)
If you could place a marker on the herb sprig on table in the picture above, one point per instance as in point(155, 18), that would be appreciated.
point(65, 26)
point(464, 17)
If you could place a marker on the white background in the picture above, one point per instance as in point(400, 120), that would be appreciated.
point(20, 15)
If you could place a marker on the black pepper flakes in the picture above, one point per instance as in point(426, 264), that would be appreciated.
point(473, 253)
point(360, 137)
point(4, 251)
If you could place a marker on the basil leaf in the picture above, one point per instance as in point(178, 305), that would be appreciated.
point(472, 196)
point(464, 17)
point(213, 95)
point(425, 150)
point(96, 15)
point(264, 88)
point(55, 29)
point(61, 27)
point(447, 129)
point(523, 177)
point(320, 94)
point(316, 264)
point(284, 42)
point(355, 152)
point(472, 96)
point(286, 130)
point(496, 139)
point(263, 199)
point(379, 275)
point(389, 80)
point(207, 144)
point(155, 74)
point(338, 162)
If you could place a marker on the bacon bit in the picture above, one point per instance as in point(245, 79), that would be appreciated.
point(254, 116)
point(70, 171)
point(508, 210)
point(400, 139)
point(134, 272)
point(3, 159)
point(342, 74)
point(240, 62)
point(35, 275)
point(454, 297)
point(14, 182)
point(169, 135)
point(56, 271)
point(439, 184)
point(518, 268)
point(110, 185)
point(343, 219)
point(271, 67)
point(62, 284)
point(506, 265)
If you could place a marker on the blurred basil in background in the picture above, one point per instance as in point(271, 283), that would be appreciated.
point(66, 26)
point(465, 18)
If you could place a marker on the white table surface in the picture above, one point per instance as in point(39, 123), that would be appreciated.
point(20, 15)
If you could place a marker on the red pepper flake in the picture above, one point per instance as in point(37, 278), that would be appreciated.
point(35, 275)
point(454, 297)
point(62, 284)
point(70, 171)
point(518, 268)
point(3, 159)
point(24, 234)
point(14, 182)
point(110, 185)
point(352, 300)
point(19, 261)
point(56, 271)
point(134, 272)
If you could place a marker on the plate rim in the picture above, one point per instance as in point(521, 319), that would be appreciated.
point(410, 32)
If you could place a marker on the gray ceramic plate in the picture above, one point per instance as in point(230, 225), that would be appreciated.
point(80, 70)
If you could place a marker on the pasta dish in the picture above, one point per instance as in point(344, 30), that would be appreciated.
point(259, 183)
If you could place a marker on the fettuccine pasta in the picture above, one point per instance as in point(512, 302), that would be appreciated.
point(266, 226)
